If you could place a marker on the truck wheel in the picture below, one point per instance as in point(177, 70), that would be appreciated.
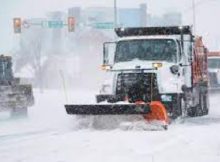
point(205, 104)
point(192, 111)
point(200, 109)
point(19, 112)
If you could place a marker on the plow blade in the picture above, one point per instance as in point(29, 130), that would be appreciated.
point(108, 109)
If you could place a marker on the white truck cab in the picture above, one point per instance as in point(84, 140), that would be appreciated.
point(156, 63)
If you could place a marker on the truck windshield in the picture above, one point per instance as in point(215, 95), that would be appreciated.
point(214, 63)
point(146, 49)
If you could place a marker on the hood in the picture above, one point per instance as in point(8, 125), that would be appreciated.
point(140, 64)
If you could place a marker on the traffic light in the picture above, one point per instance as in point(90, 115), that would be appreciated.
point(71, 24)
point(17, 25)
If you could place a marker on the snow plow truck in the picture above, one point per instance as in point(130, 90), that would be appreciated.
point(214, 70)
point(159, 73)
point(14, 95)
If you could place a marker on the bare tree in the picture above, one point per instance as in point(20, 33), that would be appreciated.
point(31, 54)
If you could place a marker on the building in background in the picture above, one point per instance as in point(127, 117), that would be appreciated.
point(172, 19)
point(132, 17)
point(98, 17)
point(168, 19)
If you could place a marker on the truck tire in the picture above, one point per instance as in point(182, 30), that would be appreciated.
point(192, 111)
point(19, 112)
point(205, 104)
point(202, 108)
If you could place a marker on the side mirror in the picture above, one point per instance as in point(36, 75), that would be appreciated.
point(109, 53)
point(174, 69)
point(105, 55)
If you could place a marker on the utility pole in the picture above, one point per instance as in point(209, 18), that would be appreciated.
point(115, 14)
point(194, 16)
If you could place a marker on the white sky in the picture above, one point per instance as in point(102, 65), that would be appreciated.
point(207, 19)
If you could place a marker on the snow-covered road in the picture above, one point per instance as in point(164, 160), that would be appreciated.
point(49, 135)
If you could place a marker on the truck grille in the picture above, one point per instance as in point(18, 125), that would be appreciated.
point(138, 86)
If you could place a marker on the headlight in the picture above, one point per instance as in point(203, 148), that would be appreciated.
point(157, 65)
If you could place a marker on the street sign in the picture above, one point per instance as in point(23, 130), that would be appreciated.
point(55, 24)
point(104, 25)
